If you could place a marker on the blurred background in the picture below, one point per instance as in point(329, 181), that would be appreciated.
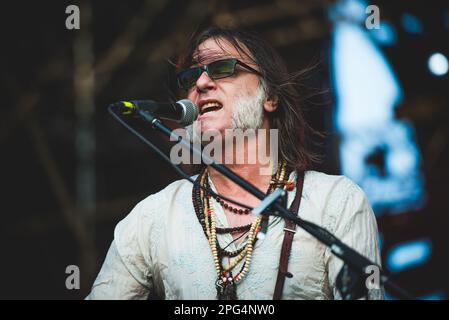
point(70, 173)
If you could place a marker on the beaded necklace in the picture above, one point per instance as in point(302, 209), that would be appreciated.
point(226, 282)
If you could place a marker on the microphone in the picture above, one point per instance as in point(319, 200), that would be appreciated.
point(183, 111)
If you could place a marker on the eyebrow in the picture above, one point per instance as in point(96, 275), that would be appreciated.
point(208, 57)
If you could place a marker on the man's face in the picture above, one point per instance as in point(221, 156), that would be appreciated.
point(229, 92)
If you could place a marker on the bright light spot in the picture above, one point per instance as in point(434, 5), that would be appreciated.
point(367, 89)
point(408, 255)
point(438, 64)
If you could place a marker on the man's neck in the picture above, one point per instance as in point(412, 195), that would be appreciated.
point(251, 172)
point(229, 189)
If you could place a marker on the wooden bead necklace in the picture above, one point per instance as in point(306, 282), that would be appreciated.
point(226, 282)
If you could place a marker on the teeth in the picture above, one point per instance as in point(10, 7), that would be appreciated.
point(210, 105)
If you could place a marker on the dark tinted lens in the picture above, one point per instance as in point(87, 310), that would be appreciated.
point(187, 78)
point(222, 68)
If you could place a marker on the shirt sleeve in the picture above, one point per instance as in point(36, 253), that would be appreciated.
point(356, 227)
point(126, 272)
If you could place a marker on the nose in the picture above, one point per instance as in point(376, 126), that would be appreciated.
point(204, 82)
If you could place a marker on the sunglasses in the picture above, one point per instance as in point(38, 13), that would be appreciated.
point(215, 70)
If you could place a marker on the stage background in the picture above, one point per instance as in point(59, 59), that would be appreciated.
point(70, 173)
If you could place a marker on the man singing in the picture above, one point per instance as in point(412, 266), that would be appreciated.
point(184, 243)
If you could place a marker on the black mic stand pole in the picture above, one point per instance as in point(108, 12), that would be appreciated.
point(355, 267)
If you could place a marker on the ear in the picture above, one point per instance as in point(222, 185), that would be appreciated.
point(271, 104)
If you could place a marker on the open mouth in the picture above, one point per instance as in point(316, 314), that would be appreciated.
point(210, 106)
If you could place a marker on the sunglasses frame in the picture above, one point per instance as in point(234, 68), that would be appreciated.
point(205, 68)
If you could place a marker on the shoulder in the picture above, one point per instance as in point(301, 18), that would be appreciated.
point(330, 183)
point(331, 186)
point(151, 211)
point(175, 191)
point(338, 197)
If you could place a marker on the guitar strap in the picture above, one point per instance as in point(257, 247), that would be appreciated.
point(289, 233)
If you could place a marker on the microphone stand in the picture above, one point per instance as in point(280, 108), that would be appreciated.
point(352, 278)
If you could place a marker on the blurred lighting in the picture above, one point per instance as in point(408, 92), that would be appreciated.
point(433, 296)
point(411, 23)
point(386, 35)
point(377, 151)
point(388, 296)
point(350, 10)
point(408, 254)
point(438, 64)
point(381, 240)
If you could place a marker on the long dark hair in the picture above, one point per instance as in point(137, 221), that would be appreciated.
point(280, 85)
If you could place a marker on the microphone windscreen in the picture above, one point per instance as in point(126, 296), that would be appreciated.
point(190, 111)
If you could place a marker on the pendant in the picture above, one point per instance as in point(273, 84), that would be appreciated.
point(226, 289)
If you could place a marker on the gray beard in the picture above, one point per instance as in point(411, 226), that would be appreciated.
point(248, 114)
point(248, 111)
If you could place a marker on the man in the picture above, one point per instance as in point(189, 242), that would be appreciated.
point(182, 243)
